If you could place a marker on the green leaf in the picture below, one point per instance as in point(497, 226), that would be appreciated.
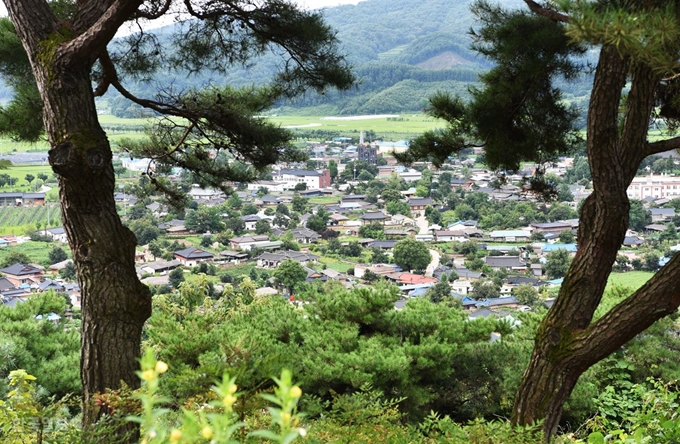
point(270, 398)
point(669, 425)
point(596, 438)
point(266, 434)
point(290, 437)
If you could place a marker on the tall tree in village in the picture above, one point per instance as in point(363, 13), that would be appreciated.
point(68, 54)
point(518, 115)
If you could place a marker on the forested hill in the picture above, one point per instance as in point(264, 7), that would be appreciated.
point(402, 51)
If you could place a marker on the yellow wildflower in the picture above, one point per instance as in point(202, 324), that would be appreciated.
point(207, 432)
point(161, 367)
point(175, 435)
point(295, 391)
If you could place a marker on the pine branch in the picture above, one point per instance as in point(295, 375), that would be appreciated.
point(545, 12)
point(661, 146)
point(153, 15)
point(657, 298)
point(93, 40)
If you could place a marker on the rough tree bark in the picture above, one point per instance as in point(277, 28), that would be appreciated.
point(115, 304)
point(568, 342)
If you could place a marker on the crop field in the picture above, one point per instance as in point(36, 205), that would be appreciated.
point(113, 121)
point(15, 220)
point(238, 270)
point(399, 124)
point(389, 127)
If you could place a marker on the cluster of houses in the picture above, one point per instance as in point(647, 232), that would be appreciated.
point(352, 211)
point(348, 215)
point(18, 282)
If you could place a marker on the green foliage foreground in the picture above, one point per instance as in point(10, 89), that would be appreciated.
point(369, 373)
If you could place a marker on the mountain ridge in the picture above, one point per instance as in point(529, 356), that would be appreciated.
point(402, 53)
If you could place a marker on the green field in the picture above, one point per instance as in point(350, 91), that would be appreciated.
point(402, 126)
point(19, 220)
point(393, 128)
point(335, 264)
point(239, 270)
point(19, 172)
point(108, 120)
point(8, 145)
point(389, 128)
point(38, 252)
point(631, 279)
point(324, 200)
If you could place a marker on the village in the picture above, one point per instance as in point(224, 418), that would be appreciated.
point(341, 215)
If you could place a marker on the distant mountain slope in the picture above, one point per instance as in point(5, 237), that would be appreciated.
point(402, 52)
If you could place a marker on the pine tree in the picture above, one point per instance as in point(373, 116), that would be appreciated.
point(67, 48)
point(441, 291)
point(519, 115)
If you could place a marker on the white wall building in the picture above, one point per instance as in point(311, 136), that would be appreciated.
point(654, 186)
point(137, 164)
point(314, 180)
point(273, 187)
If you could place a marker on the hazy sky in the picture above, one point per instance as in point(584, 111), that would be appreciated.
point(312, 4)
point(316, 4)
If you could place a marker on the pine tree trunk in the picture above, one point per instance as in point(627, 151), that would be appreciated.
point(568, 341)
point(115, 304)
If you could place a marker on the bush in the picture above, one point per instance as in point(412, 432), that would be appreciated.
point(36, 236)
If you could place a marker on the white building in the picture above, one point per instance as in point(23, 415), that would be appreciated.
point(654, 186)
point(411, 175)
point(315, 180)
point(137, 164)
point(205, 193)
point(57, 234)
point(461, 286)
point(273, 187)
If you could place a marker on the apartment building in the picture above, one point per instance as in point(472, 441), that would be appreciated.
point(314, 180)
point(656, 186)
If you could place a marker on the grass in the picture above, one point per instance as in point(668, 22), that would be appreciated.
point(619, 287)
point(195, 240)
point(405, 124)
point(38, 252)
point(111, 120)
point(324, 200)
point(194, 278)
point(335, 264)
point(239, 270)
point(19, 172)
point(17, 230)
point(9, 145)
point(631, 279)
